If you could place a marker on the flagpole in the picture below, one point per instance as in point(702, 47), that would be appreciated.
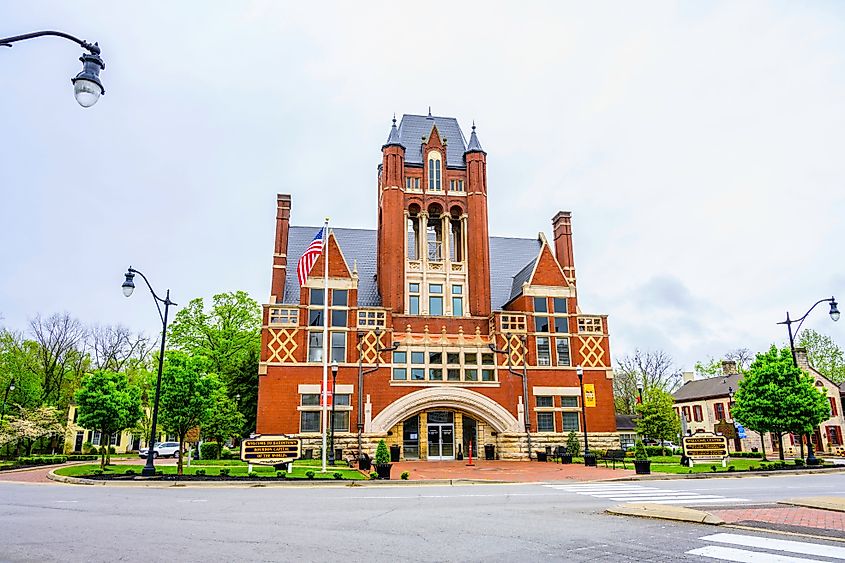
point(326, 346)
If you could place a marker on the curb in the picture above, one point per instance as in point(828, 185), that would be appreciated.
point(834, 504)
point(665, 512)
point(730, 475)
point(330, 483)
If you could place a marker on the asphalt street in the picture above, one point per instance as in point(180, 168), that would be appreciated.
point(563, 521)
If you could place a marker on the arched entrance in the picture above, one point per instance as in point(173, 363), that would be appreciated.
point(441, 423)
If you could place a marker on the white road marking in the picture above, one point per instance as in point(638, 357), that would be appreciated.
point(694, 501)
point(193, 500)
point(638, 493)
point(66, 501)
point(804, 548)
point(743, 556)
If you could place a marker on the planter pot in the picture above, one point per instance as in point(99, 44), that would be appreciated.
point(642, 466)
point(541, 456)
point(364, 463)
point(590, 460)
point(566, 458)
point(383, 470)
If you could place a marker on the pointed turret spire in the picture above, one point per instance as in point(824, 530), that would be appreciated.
point(393, 138)
point(473, 145)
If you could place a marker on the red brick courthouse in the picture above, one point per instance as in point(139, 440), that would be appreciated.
point(432, 282)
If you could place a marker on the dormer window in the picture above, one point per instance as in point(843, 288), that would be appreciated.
point(434, 171)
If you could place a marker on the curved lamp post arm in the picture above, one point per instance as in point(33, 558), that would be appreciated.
point(94, 49)
point(833, 310)
point(156, 298)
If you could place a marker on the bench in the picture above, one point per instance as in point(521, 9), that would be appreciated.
point(614, 456)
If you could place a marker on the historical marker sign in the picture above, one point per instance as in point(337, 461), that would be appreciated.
point(704, 445)
point(270, 450)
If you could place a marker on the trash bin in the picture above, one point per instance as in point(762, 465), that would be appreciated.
point(489, 451)
point(394, 453)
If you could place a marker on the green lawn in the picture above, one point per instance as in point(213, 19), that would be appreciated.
point(235, 470)
point(671, 464)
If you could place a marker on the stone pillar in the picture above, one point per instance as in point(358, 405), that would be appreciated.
point(423, 435)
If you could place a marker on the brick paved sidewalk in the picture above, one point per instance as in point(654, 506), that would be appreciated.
point(787, 518)
point(512, 471)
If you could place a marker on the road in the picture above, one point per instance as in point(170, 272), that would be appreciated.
point(40, 522)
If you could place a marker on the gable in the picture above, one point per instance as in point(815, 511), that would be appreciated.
point(338, 268)
point(547, 271)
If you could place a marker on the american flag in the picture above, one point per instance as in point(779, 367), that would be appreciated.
point(310, 256)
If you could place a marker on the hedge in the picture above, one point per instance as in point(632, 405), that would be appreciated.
point(41, 459)
point(209, 450)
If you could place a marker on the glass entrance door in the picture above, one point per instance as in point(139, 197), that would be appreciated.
point(441, 441)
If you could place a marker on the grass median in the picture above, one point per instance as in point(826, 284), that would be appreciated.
point(235, 468)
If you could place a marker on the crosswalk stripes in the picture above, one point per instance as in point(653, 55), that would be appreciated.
point(756, 543)
point(630, 492)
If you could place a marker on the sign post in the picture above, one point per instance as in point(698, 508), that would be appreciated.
point(270, 450)
point(706, 446)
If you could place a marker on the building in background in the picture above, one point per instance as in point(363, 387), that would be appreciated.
point(706, 404)
point(433, 281)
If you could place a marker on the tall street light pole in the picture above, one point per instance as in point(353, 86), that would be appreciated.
point(834, 315)
point(128, 287)
point(11, 387)
point(526, 417)
point(331, 422)
point(361, 373)
point(87, 87)
point(589, 459)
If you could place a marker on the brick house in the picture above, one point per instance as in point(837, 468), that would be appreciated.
point(706, 402)
point(415, 308)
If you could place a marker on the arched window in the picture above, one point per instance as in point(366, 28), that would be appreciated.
point(434, 171)
point(414, 232)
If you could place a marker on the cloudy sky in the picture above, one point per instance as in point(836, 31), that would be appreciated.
point(699, 146)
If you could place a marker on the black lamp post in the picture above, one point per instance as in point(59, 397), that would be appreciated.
point(589, 459)
point(526, 417)
point(11, 387)
point(361, 373)
point(87, 87)
point(834, 315)
point(128, 287)
point(331, 422)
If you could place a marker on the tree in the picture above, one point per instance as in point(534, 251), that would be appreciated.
point(229, 336)
point(649, 369)
point(223, 420)
point(30, 425)
point(824, 354)
point(658, 418)
point(188, 394)
point(116, 348)
point(742, 356)
point(60, 360)
point(108, 403)
point(777, 397)
point(713, 367)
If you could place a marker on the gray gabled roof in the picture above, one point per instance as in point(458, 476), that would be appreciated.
point(413, 128)
point(507, 257)
point(626, 422)
point(707, 388)
point(520, 278)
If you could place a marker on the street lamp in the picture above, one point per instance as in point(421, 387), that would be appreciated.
point(87, 87)
point(128, 287)
point(834, 316)
point(361, 373)
point(11, 387)
point(589, 459)
point(524, 375)
point(331, 423)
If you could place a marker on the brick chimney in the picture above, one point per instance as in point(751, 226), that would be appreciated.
point(801, 359)
point(562, 228)
point(728, 367)
point(688, 376)
point(280, 257)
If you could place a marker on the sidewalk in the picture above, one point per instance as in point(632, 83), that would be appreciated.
point(794, 519)
point(510, 471)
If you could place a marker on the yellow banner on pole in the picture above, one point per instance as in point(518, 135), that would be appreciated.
point(589, 395)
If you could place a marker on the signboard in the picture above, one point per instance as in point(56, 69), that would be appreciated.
point(705, 445)
point(589, 395)
point(270, 450)
point(726, 429)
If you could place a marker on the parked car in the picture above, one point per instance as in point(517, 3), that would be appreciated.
point(161, 449)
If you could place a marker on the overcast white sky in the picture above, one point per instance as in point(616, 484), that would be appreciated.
point(699, 146)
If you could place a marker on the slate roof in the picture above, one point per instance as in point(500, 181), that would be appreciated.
point(626, 422)
point(520, 278)
point(507, 259)
point(842, 389)
point(474, 145)
point(413, 128)
point(707, 388)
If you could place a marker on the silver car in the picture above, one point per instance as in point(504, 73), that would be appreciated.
point(161, 449)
